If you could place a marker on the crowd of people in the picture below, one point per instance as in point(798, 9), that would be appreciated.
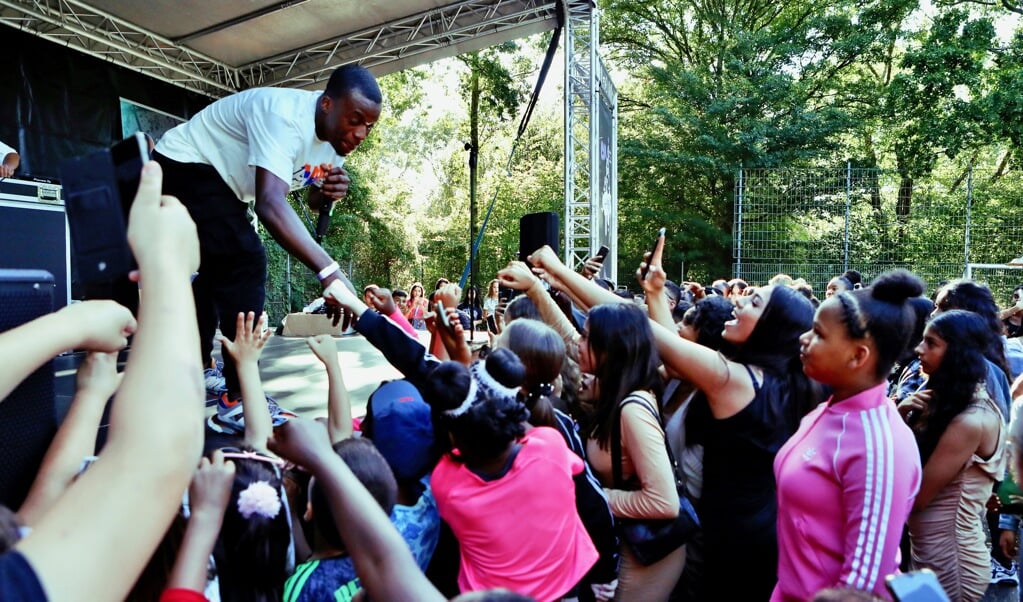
point(739, 441)
point(824, 444)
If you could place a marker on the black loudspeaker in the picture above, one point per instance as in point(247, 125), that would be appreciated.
point(28, 419)
point(537, 230)
point(33, 232)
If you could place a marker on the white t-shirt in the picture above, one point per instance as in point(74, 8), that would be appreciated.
point(272, 128)
point(6, 150)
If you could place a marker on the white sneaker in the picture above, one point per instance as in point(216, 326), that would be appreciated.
point(1000, 574)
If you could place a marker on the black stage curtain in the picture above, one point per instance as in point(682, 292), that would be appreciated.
point(56, 102)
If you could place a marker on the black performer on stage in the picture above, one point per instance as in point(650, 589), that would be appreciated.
point(256, 146)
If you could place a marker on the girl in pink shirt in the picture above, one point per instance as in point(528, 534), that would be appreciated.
point(847, 479)
point(507, 495)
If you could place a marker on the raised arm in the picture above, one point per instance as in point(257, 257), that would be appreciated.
point(403, 352)
point(382, 559)
point(582, 289)
point(726, 384)
point(653, 285)
point(251, 335)
point(92, 325)
point(518, 276)
point(339, 404)
point(101, 511)
point(208, 497)
point(96, 382)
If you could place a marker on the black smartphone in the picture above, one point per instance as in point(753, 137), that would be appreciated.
point(653, 248)
point(916, 586)
point(98, 192)
point(602, 254)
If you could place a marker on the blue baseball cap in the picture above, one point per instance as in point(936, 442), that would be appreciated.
point(399, 423)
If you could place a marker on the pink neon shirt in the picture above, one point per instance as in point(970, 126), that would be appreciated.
point(520, 531)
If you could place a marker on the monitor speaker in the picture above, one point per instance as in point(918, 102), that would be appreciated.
point(537, 230)
point(28, 416)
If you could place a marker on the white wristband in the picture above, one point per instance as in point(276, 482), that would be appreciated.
point(327, 271)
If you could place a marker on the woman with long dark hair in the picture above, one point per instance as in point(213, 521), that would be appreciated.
point(752, 403)
point(961, 436)
point(617, 349)
point(977, 298)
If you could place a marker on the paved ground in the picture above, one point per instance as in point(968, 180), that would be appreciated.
point(296, 379)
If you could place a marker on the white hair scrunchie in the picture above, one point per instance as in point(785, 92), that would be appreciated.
point(259, 498)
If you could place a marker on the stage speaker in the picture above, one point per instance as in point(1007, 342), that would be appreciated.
point(34, 233)
point(28, 419)
point(537, 230)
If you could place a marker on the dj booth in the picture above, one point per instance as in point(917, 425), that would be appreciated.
point(34, 231)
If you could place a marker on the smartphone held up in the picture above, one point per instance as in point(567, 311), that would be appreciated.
point(659, 240)
point(99, 189)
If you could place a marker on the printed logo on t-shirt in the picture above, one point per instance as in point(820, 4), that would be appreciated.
point(809, 453)
point(308, 175)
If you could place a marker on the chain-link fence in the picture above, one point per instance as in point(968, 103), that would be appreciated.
point(817, 223)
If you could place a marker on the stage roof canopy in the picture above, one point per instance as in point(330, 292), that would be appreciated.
point(218, 47)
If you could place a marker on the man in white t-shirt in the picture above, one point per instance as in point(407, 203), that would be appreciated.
point(255, 146)
point(9, 160)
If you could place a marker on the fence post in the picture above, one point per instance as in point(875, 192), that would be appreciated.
point(738, 227)
point(969, 216)
point(848, 200)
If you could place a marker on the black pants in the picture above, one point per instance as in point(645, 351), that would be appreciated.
point(232, 261)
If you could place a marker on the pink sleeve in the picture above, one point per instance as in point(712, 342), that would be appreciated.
point(180, 594)
point(398, 318)
point(878, 489)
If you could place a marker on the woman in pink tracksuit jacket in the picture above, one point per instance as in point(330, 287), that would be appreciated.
point(847, 478)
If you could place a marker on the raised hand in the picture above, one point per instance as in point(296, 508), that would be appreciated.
point(323, 347)
point(518, 276)
point(382, 301)
point(301, 442)
point(449, 294)
point(161, 234)
point(655, 278)
point(251, 335)
point(210, 490)
point(97, 376)
point(100, 325)
point(545, 258)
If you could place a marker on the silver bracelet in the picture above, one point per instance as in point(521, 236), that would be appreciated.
point(327, 271)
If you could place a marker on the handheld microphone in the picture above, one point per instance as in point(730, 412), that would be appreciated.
point(323, 222)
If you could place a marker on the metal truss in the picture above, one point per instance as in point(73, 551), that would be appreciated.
point(86, 29)
point(582, 135)
point(77, 25)
point(402, 39)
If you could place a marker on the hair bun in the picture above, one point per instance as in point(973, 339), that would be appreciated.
point(447, 386)
point(506, 368)
point(896, 286)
